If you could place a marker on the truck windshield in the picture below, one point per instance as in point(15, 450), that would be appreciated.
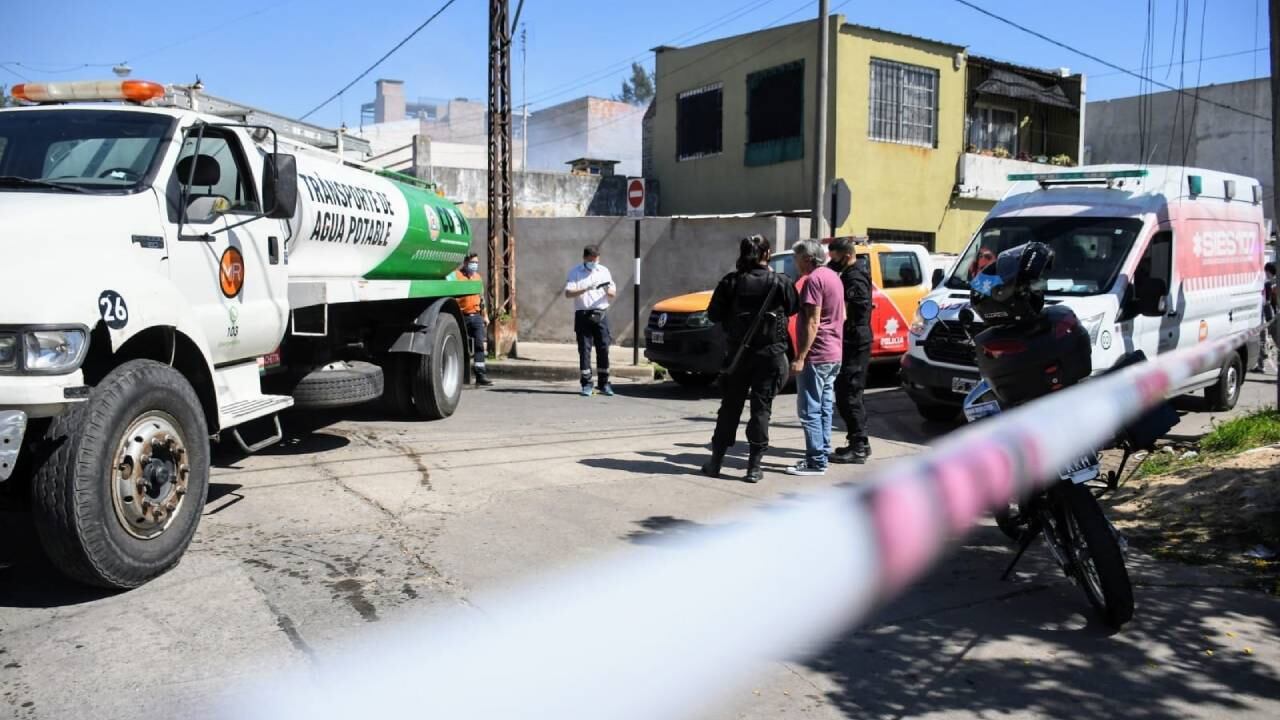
point(1088, 252)
point(80, 150)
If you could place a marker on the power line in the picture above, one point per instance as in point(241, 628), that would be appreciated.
point(672, 71)
point(1254, 51)
point(1107, 63)
point(558, 90)
point(380, 60)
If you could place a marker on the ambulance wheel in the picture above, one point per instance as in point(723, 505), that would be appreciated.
point(118, 497)
point(436, 379)
point(1223, 394)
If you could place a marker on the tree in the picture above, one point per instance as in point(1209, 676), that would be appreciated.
point(639, 89)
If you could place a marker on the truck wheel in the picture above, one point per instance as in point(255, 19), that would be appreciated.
point(118, 499)
point(1223, 394)
point(435, 379)
point(396, 398)
point(339, 385)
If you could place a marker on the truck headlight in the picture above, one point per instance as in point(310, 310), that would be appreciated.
point(53, 351)
point(918, 326)
point(8, 351)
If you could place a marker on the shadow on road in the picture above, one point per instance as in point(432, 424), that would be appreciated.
point(1036, 650)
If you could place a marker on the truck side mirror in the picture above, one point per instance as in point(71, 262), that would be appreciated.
point(938, 274)
point(280, 185)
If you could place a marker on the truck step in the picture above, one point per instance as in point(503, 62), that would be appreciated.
point(240, 397)
point(252, 409)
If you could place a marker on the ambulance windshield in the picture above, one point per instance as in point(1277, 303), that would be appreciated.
point(1088, 251)
point(79, 150)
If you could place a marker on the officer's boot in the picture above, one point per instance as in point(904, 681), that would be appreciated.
point(482, 375)
point(711, 467)
point(754, 473)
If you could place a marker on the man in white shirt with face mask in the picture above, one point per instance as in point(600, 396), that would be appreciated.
point(591, 287)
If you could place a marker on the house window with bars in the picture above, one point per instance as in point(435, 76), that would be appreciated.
point(904, 103)
point(699, 120)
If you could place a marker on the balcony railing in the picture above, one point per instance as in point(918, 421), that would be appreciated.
point(986, 177)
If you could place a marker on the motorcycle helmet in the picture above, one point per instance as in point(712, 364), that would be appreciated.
point(1011, 290)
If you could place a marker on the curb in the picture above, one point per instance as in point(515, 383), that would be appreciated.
point(561, 372)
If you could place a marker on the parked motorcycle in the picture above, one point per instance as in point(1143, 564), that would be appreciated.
point(1025, 350)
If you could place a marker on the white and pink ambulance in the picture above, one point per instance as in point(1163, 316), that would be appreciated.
point(1149, 257)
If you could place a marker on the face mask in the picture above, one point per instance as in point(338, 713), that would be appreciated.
point(592, 265)
point(473, 268)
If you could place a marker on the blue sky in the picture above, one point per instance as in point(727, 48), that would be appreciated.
point(289, 55)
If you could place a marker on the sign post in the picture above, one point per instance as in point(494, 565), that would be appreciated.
point(839, 202)
point(635, 209)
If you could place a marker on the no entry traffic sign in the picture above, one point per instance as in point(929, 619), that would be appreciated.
point(635, 197)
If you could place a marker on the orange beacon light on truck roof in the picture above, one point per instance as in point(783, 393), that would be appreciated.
point(131, 90)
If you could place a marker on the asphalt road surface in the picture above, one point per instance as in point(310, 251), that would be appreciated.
point(356, 519)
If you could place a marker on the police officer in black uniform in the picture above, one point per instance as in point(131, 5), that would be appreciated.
point(855, 274)
point(757, 361)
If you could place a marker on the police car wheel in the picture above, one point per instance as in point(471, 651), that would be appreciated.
point(118, 498)
point(692, 379)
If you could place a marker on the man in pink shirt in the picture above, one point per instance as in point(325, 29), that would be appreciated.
point(820, 336)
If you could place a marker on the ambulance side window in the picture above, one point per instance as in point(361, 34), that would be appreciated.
point(220, 169)
point(1158, 260)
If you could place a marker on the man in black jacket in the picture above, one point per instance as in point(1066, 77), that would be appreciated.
point(753, 304)
point(856, 356)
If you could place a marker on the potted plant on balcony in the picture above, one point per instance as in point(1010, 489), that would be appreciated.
point(1001, 152)
point(1063, 160)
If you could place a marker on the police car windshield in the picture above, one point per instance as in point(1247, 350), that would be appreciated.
point(83, 150)
point(1088, 252)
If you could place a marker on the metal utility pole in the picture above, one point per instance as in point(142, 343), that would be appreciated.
point(502, 242)
point(524, 96)
point(818, 225)
point(1274, 14)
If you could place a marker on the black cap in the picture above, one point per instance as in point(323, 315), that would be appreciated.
point(591, 251)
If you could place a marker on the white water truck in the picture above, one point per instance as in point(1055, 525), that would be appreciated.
point(170, 277)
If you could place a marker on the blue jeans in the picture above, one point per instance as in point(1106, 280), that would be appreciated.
point(815, 399)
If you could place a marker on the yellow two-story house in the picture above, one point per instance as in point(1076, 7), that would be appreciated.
point(923, 133)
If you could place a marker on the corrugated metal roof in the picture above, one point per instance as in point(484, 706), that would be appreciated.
point(1010, 84)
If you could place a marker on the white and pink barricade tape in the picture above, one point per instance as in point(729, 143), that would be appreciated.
point(644, 635)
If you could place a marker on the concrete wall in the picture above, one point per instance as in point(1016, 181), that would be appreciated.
point(1219, 139)
point(679, 255)
point(559, 195)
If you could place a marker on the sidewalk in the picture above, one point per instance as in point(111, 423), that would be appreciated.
point(557, 362)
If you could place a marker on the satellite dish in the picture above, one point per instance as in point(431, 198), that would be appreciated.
point(122, 70)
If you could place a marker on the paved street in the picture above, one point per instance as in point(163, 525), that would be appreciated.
point(357, 519)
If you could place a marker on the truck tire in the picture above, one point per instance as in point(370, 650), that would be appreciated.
point(436, 379)
point(397, 401)
point(342, 385)
point(117, 500)
point(1224, 394)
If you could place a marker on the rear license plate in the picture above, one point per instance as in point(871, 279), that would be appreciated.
point(656, 338)
point(962, 385)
